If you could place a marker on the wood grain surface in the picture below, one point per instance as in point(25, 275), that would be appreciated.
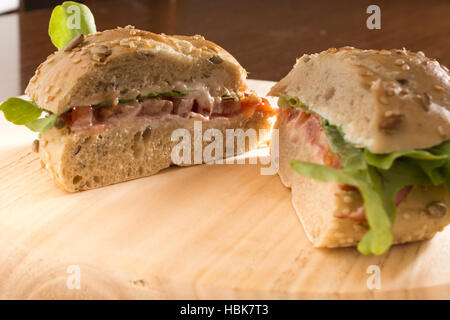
point(209, 231)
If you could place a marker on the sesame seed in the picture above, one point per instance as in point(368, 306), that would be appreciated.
point(407, 216)
point(385, 52)
point(420, 53)
point(76, 61)
point(366, 73)
point(35, 146)
point(346, 211)
point(437, 88)
point(420, 235)
point(72, 54)
point(388, 113)
point(348, 199)
point(399, 62)
point(441, 131)
point(390, 92)
point(406, 67)
point(349, 240)
point(436, 209)
point(383, 99)
point(392, 123)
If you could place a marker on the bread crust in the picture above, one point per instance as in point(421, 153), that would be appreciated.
point(318, 204)
point(87, 160)
point(386, 100)
point(126, 62)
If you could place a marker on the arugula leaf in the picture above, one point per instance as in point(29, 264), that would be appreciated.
point(43, 124)
point(227, 96)
point(173, 94)
point(19, 111)
point(69, 20)
point(124, 101)
point(378, 177)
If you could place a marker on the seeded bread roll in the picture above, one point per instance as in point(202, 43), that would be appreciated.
point(126, 62)
point(386, 100)
point(87, 160)
point(102, 140)
point(320, 205)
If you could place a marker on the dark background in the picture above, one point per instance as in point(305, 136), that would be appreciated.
point(266, 36)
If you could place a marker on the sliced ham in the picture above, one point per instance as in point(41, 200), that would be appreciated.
point(156, 107)
point(82, 117)
point(183, 107)
point(100, 117)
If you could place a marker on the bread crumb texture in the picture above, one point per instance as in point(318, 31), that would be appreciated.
point(86, 160)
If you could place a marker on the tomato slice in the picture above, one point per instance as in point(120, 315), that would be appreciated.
point(82, 116)
point(264, 106)
point(249, 106)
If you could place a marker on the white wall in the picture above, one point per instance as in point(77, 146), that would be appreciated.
point(8, 5)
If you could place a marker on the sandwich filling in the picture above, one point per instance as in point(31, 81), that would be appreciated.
point(163, 105)
point(383, 181)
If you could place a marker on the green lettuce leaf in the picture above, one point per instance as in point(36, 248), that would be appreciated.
point(23, 112)
point(42, 124)
point(378, 177)
point(69, 20)
point(19, 111)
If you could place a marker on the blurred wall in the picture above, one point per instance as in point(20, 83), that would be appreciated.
point(8, 5)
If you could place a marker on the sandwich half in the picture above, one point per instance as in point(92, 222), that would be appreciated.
point(119, 94)
point(364, 146)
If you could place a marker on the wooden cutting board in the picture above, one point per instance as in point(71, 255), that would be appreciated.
point(209, 231)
